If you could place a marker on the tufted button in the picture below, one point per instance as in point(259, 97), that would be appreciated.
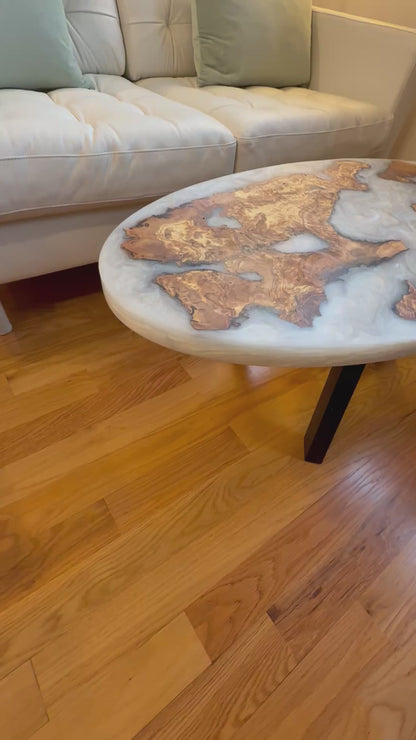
point(161, 44)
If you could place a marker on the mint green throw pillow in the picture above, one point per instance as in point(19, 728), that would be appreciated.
point(36, 51)
point(252, 42)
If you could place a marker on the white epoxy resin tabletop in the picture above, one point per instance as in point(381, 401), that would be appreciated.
point(302, 264)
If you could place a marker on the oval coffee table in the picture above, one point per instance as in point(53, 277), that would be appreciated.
point(307, 264)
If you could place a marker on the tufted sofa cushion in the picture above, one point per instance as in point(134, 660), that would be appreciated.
point(158, 38)
point(95, 31)
point(273, 126)
point(114, 144)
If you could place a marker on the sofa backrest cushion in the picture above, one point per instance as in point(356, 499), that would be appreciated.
point(95, 31)
point(158, 38)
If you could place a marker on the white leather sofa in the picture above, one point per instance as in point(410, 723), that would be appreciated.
point(75, 162)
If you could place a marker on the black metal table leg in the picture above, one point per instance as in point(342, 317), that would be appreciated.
point(332, 404)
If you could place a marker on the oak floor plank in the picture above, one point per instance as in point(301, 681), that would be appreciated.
point(304, 617)
point(391, 598)
point(112, 436)
point(154, 571)
point(29, 561)
point(311, 543)
point(172, 485)
point(5, 390)
point(51, 399)
point(22, 710)
point(164, 413)
point(248, 376)
point(188, 411)
point(151, 573)
point(26, 370)
point(46, 336)
point(380, 701)
point(93, 354)
point(105, 398)
point(280, 421)
point(228, 693)
point(176, 473)
point(119, 700)
point(385, 393)
point(134, 472)
point(53, 312)
point(135, 601)
point(295, 708)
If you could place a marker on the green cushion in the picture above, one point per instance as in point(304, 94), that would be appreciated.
point(252, 42)
point(36, 51)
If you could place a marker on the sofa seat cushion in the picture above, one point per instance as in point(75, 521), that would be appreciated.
point(274, 126)
point(77, 147)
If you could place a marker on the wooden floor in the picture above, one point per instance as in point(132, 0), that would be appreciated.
point(170, 567)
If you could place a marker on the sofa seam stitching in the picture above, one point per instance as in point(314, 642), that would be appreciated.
point(126, 201)
point(312, 133)
point(112, 153)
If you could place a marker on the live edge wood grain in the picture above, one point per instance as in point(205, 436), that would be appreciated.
point(170, 568)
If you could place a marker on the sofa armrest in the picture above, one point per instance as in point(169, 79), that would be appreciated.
point(366, 60)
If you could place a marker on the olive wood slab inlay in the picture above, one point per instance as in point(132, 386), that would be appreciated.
point(241, 235)
point(406, 308)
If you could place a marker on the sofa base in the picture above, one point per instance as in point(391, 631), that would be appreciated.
point(39, 246)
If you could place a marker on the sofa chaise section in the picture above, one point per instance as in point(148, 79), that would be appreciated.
point(292, 124)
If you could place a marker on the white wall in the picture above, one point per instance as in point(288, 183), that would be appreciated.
point(401, 13)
